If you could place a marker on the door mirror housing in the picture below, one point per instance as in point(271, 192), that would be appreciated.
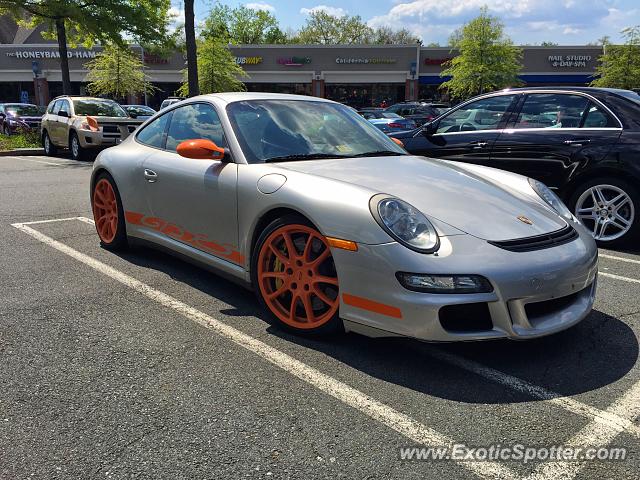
point(133, 114)
point(63, 114)
point(201, 149)
point(430, 128)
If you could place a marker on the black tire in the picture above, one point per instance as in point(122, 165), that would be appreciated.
point(76, 150)
point(6, 130)
point(633, 232)
point(47, 145)
point(334, 324)
point(120, 241)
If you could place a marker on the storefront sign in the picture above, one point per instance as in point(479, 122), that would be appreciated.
point(294, 61)
point(566, 61)
point(153, 59)
point(360, 60)
point(31, 54)
point(248, 60)
point(437, 61)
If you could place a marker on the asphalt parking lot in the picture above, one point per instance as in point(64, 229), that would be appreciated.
point(141, 366)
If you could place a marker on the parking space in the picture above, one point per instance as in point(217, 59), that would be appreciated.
point(120, 366)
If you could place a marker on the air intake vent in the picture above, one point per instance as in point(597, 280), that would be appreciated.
point(538, 242)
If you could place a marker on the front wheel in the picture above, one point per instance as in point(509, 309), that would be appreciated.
point(108, 213)
point(609, 208)
point(295, 278)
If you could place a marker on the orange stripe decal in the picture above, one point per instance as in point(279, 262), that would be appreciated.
point(371, 306)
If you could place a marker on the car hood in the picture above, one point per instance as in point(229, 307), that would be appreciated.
point(466, 199)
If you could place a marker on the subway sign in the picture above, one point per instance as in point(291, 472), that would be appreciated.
point(248, 60)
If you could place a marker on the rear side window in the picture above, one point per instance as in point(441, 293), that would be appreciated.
point(552, 110)
point(153, 133)
point(194, 121)
point(595, 117)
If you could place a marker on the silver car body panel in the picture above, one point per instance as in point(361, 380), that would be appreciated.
point(209, 211)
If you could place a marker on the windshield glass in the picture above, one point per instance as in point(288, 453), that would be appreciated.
point(140, 110)
point(23, 110)
point(630, 94)
point(98, 108)
point(269, 129)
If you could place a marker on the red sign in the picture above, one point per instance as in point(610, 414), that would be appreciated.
point(436, 61)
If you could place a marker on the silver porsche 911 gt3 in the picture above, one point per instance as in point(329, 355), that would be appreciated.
point(335, 226)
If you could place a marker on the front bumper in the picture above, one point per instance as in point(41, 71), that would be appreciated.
point(535, 293)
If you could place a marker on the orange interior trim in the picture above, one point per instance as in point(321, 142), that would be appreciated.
point(370, 305)
point(343, 244)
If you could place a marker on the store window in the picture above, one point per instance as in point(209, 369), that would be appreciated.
point(366, 95)
point(291, 88)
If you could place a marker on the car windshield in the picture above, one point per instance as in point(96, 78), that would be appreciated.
point(630, 94)
point(389, 115)
point(98, 108)
point(273, 130)
point(140, 110)
point(23, 110)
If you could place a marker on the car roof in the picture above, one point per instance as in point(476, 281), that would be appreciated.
point(230, 97)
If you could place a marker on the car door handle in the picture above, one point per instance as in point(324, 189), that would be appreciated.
point(478, 145)
point(577, 143)
point(150, 175)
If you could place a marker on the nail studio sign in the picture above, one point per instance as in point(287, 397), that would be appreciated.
point(293, 61)
point(39, 54)
point(566, 61)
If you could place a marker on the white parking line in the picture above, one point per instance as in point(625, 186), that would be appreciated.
point(401, 423)
point(52, 220)
point(604, 418)
point(594, 435)
point(618, 277)
point(620, 259)
point(40, 161)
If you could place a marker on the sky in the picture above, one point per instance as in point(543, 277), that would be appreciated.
point(565, 22)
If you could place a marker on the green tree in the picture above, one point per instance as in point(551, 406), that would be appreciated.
point(325, 29)
point(117, 72)
point(217, 68)
point(487, 59)
point(389, 36)
point(619, 65)
point(548, 44)
point(92, 21)
point(242, 25)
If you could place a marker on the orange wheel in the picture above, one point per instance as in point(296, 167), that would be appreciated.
point(105, 210)
point(297, 277)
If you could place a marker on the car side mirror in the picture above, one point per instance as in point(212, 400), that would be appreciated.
point(133, 115)
point(63, 114)
point(201, 149)
point(430, 128)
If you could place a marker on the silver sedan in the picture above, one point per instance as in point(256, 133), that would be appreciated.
point(335, 226)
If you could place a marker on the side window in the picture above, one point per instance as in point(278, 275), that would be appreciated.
point(153, 133)
point(64, 107)
point(51, 107)
point(198, 120)
point(56, 107)
point(484, 114)
point(595, 117)
point(552, 110)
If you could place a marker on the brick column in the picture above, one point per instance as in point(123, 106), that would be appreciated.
point(317, 88)
point(41, 91)
point(411, 90)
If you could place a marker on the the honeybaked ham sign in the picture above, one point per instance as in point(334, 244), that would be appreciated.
point(38, 54)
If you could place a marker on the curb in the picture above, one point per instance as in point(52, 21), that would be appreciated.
point(22, 151)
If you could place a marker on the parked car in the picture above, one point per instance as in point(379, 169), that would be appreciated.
point(388, 122)
point(420, 113)
point(170, 101)
point(15, 116)
point(84, 123)
point(582, 142)
point(335, 225)
point(141, 112)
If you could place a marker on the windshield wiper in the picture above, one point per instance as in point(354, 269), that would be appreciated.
point(378, 153)
point(304, 156)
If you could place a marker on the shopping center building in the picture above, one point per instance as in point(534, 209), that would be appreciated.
point(359, 75)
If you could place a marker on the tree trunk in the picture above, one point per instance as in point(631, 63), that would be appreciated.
point(64, 60)
point(192, 54)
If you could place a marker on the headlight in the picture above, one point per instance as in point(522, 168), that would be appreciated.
point(552, 199)
point(405, 223)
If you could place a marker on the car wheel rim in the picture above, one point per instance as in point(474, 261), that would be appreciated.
point(105, 210)
point(297, 277)
point(607, 211)
point(74, 146)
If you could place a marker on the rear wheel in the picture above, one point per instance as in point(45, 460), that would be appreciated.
point(48, 147)
point(108, 213)
point(609, 208)
point(77, 152)
point(295, 278)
